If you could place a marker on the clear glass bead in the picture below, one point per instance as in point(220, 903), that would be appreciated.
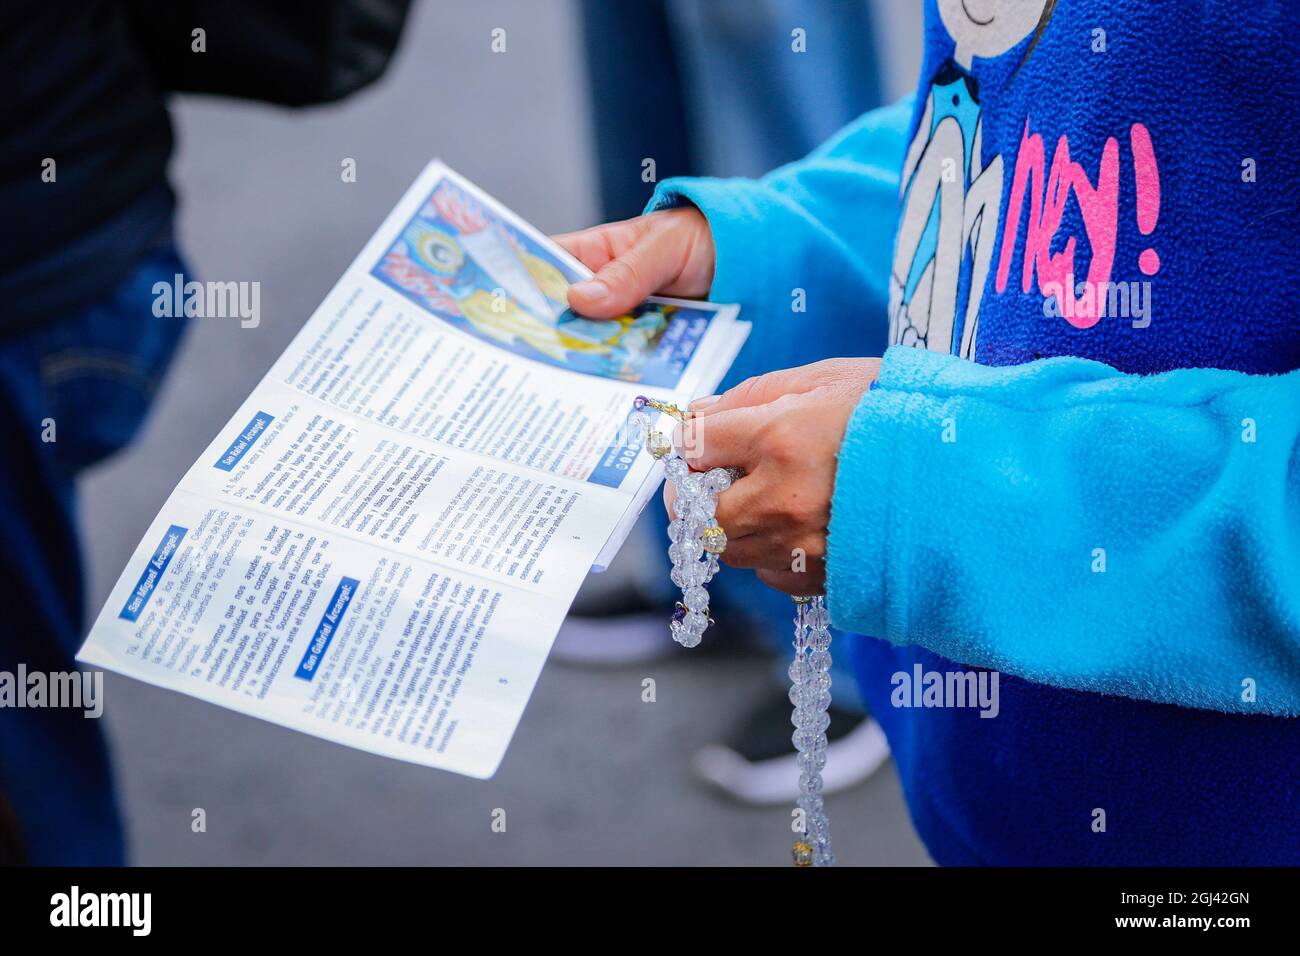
point(694, 624)
point(803, 740)
point(811, 761)
point(811, 804)
point(692, 574)
point(810, 783)
point(696, 598)
point(688, 638)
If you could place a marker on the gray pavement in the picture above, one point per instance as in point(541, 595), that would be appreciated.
point(594, 775)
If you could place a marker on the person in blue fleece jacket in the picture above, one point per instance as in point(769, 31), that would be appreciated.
point(1079, 461)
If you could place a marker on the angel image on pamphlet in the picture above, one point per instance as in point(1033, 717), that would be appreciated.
point(470, 267)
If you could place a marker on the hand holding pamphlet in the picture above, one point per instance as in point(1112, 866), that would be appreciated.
point(379, 547)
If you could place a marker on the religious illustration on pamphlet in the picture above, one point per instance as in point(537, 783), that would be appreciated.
point(470, 266)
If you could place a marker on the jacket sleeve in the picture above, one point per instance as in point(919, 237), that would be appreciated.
point(810, 241)
point(1067, 523)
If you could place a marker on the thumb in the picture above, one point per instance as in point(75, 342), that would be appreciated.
point(641, 257)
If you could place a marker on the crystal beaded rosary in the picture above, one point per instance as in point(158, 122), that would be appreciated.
point(697, 540)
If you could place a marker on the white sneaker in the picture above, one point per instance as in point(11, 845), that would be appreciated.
point(760, 768)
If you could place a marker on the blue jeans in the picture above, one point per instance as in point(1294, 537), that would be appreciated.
point(713, 87)
point(86, 380)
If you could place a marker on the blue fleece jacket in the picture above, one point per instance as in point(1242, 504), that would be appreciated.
point(1106, 508)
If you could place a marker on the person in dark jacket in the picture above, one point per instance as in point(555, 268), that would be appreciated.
point(84, 144)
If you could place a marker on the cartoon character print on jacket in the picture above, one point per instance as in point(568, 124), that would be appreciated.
point(950, 198)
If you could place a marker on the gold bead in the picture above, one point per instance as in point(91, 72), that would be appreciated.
point(714, 539)
point(667, 408)
point(802, 853)
point(658, 445)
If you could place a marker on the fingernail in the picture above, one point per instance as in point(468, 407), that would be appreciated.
point(593, 290)
point(699, 404)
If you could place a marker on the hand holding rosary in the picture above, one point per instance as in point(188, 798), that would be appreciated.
point(696, 542)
